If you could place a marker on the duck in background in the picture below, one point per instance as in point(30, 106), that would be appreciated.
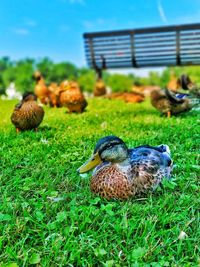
point(53, 88)
point(70, 96)
point(100, 87)
point(41, 90)
point(167, 103)
point(27, 114)
point(128, 97)
point(121, 173)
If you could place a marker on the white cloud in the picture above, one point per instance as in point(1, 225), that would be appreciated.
point(21, 31)
point(161, 12)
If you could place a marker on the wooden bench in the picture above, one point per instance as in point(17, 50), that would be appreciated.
point(149, 47)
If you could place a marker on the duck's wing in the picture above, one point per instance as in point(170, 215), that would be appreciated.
point(161, 148)
point(172, 97)
point(151, 159)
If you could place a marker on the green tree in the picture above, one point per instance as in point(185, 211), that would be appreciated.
point(9, 75)
point(56, 72)
point(86, 80)
point(45, 66)
point(119, 82)
point(20, 73)
point(5, 63)
point(23, 79)
point(165, 77)
point(62, 71)
point(153, 78)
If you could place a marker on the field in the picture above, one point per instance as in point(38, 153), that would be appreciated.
point(48, 215)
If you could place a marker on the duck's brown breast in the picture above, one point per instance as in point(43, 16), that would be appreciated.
point(109, 183)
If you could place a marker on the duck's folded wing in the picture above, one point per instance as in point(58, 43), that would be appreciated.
point(161, 148)
point(172, 97)
point(151, 160)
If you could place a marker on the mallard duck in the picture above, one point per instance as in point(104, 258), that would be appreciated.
point(27, 114)
point(167, 102)
point(121, 173)
point(71, 97)
point(41, 90)
point(100, 87)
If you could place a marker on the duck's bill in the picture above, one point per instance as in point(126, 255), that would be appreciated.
point(90, 164)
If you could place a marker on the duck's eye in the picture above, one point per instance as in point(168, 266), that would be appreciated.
point(108, 146)
point(145, 154)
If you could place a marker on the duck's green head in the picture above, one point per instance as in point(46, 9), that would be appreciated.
point(108, 149)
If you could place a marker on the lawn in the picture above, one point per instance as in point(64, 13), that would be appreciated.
point(49, 217)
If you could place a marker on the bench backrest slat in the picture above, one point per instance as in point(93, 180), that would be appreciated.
point(158, 46)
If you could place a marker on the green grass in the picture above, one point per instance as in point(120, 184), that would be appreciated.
point(81, 229)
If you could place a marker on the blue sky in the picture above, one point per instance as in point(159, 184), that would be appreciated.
point(54, 28)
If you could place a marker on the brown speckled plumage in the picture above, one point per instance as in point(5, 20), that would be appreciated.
point(109, 182)
point(112, 182)
point(27, 115)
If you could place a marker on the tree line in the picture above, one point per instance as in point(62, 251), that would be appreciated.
point(21, 73)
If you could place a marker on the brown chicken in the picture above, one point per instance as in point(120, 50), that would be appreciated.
point(41, 89)
point(27, 114)
point(70, 96)
point(100, 87)
point(128, 97)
